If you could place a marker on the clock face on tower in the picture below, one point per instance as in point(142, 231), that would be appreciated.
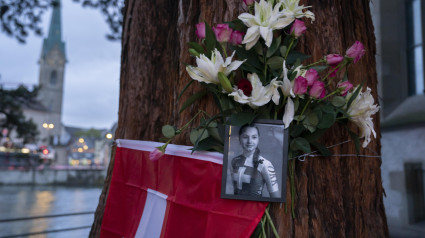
point(55, 58)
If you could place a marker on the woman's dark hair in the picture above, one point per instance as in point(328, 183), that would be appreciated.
point(256, 156)
point(243, 128)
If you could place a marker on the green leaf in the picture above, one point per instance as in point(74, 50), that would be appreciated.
point(210, 40)
point(283, 50)
point(192, 99)
point(196, 46)
point(209, 144)
point(184, 89)
point(241, 118)
point(273, 47)
point(311, 119)
point(322, 149)
point(300, 143)
point(250, 56)
point(295, 130)
point(338, 101)
point(294, 56)
point(169, 131)
point(356, 140)
point(237, 25)
point(319, 68)
point(327, 108)
point(275, 62)
point(214, 133)
point(355, 94)
point(198, 135)
point(328, 119)
point(299, 117)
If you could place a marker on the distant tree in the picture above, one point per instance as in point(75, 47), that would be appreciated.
point(19, 17)
point(11, 102)
point(90, 133)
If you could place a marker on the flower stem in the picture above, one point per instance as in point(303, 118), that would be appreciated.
point(305, 107)
point(271, 222)
point(223, 46)
point(336, 91)
point(289, 47)
point(193, 118)
point(318, 62)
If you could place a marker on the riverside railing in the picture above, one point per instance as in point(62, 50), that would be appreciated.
point(44, 217)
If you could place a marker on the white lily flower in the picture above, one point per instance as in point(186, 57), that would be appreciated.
point(208, 69)
point(265, 20)
point(288, 115)
point(287, 85)
point(292, 10)
point(259, 94)
point(361, 111)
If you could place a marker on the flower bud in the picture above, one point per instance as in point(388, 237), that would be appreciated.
point(300, 85)
point(344, 87)
point(200, 30)
point(236, 37)
point(222, 32)
point(356, 51)
point(318, 90)
point(334, 59)
point(298, 28)
point(156, 154)
point(225, 83)
point(193, 52)
point(249, 2)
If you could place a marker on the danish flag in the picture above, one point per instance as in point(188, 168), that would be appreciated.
point(176, 196)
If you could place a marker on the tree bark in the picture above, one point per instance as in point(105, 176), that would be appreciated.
point(335, 196)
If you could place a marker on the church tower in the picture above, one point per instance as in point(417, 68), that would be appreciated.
point(51, 78)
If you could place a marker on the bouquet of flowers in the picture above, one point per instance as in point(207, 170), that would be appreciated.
point(251, 69)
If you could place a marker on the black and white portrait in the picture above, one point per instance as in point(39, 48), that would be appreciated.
point(255, 161)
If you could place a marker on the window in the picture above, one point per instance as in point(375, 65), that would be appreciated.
point(53, 78)
point(415, 53)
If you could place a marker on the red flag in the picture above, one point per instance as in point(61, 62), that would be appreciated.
point(176, 196)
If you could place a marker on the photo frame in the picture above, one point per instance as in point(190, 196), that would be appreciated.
point(255, 161)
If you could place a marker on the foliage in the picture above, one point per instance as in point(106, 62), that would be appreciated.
point(19, 17)
point(90, 133)
point(269, 80)
point(11, 102)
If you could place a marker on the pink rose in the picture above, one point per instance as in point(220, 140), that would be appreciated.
point(236, 37)
point(222, 32)
point(356, 51)
point(345, 86)
point(334, 59)
point(318, 90)
point(300, 85)
point(156, 154)
point(249, 2)
point(298, 28)
point(311, 75)
point(200, 30)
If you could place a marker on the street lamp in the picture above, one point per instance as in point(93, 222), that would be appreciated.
point(48, 127)
point(108, 136)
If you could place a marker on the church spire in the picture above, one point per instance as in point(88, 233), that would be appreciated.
point(54, 39)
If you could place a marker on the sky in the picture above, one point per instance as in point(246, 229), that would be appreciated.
point(91, 74)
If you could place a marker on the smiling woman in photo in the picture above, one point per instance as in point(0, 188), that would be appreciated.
point(250, 171)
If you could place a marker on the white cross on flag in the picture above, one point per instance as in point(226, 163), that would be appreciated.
point(176, 196)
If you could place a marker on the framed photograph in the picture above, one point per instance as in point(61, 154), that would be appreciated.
point(255, 162)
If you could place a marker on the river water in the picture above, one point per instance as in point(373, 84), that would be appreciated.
point(28, 201)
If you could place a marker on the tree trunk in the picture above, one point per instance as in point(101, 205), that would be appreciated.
point(334, 196)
